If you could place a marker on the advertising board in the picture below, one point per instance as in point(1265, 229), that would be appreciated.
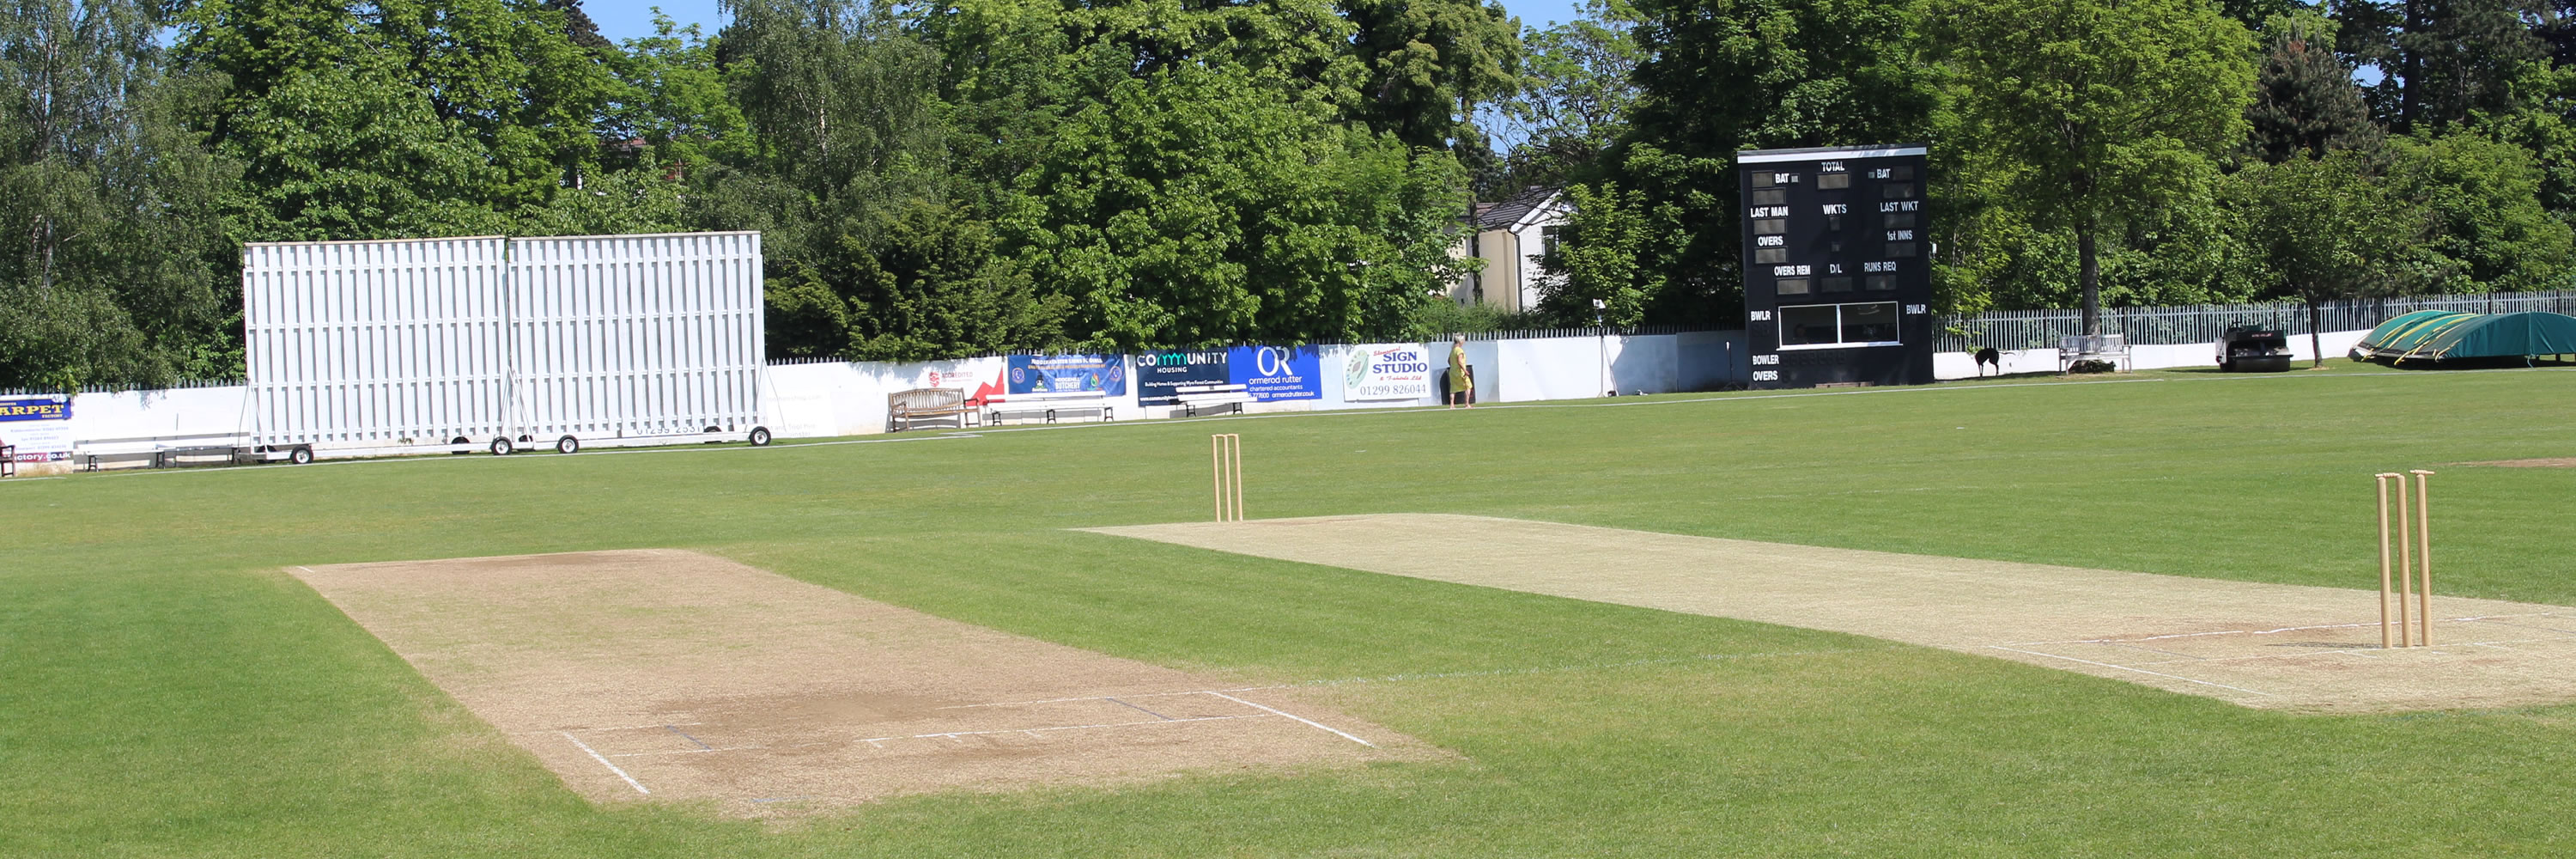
point(1387, 371)
point(1046, 374)
point(39, 427)
point(1275, 373)
point(1161, 375)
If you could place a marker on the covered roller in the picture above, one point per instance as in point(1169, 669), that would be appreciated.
point(2433, 337)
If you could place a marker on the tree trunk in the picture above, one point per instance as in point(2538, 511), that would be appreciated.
point(2316, 347)
point(2410, 69)
point(2092, 275)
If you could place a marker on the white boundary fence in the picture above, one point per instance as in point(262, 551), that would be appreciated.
point(837, 398)
point(2203, 323)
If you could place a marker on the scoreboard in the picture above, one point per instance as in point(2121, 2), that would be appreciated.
point(1837, 286)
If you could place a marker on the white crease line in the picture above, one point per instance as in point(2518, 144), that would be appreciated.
point(641, 727)
point(617, 728)
point(1296, 717)
point(2490, 617)
point(683, 752)
point(2139, 670)
point(2498, 643)
point(594, 755)
point(1101, 698)
point(953, 735)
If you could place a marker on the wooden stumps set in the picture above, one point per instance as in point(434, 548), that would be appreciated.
point(1226, 454)
point(2414, 558)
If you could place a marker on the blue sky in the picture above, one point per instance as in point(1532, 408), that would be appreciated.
point(620, 21)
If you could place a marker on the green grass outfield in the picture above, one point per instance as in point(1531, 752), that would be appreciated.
point(165, 691)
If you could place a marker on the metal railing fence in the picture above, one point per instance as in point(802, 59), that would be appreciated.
point(2203, 323)
point(182, 384)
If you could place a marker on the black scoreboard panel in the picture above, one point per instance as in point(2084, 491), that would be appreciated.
point(1837, 277)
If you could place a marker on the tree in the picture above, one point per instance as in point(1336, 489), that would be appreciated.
point(110, 270)
point(392, 118)
point(1598, 257)
point(1576, 93)
point(2329, 230)
point(2441, 61)
point(1194, 207)
point(2097, 109)
point(1430, 65)
point(2305, 101)
point(2486, 228)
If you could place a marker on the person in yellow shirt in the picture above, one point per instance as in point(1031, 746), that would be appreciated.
point(1462, 387)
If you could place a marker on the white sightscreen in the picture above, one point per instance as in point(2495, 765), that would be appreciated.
point(429, 340)
point(374, 341)
point(635, 335)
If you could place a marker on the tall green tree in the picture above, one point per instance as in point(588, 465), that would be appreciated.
point(1431, 65)
point(108, 274)
point(2486, 228)
point(396, 118)
point(2328, 229)
point(1576, 93)
point(1599, 256)
point(2097, 110)
point(2305, 100)
point(2441, 62)
point(1194, 207)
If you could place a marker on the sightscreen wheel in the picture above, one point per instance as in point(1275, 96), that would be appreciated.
point(567, 444)
point(500, 447)
point(300, 456)
point(759, 436)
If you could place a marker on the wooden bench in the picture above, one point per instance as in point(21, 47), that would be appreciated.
point(1192, 398)
point(907, 409)
point(2093, 347)
point(1047, 405)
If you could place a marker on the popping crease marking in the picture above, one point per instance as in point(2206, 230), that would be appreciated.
point(594, 755)
point(955, 734)
point(949, 735)
point(1337, 731)
point(621, 727)
point(2489, 618)
point(2138, 670)
point(2365, 652)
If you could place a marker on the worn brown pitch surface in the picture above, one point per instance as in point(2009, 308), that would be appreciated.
point(673, 675)
point(2259, 645)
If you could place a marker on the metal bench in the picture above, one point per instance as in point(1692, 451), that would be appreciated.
point(2093, 347)
point(1192, 398)
point(1048, 405)
point(162, 451)
point(907, 409)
